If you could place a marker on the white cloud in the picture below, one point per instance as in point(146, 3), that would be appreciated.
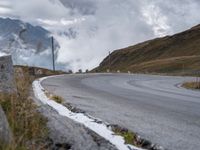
point(4, 10)
point(48, 22)
point(158, 21)
point(2, 54)
point(60, 22)
point(4, 7)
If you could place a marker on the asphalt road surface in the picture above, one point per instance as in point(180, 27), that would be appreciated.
point(156, 107)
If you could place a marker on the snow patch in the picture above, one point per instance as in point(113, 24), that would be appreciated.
point(100, 129)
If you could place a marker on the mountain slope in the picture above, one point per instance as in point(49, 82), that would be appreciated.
point(177, 54)
point(28, 44)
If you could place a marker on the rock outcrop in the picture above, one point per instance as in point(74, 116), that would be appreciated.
point(5, 132)
point(6, 74)
point(7, 85)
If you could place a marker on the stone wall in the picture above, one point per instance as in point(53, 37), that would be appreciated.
point(6, 74)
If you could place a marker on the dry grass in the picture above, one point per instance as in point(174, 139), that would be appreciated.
point(44, 72)
point(184, 65)
point(129, 137)
point(178, 54)
point(28, 126)
point(192, 85)
point(133, 139)
point(57, 99)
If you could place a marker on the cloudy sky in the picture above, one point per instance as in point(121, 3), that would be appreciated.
point(88, 29)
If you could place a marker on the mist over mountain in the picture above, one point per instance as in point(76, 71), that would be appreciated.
point(28, 44)
point(85, 7)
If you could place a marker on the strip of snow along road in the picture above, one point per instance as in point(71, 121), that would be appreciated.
point(100, 129)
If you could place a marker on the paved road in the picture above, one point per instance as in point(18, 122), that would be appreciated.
point(153, 106)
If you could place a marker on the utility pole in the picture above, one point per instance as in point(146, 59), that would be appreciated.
point(53, 54)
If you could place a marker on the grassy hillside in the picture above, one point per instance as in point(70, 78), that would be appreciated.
point(177, 54)
point(37, 71)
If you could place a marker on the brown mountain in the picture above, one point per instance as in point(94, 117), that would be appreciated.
point(177, 54)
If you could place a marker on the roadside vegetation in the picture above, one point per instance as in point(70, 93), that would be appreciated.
point(133, 139)
point(166, 55)
point(57, 99)
point(129, 137)
point(28, 126)
point(192, 85)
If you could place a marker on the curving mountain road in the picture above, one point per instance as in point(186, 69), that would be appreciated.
point(153, 106)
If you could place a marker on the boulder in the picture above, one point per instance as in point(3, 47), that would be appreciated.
point(5, 132)
point(6, 74)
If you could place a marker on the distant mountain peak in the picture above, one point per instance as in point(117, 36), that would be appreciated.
point(25, 42)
